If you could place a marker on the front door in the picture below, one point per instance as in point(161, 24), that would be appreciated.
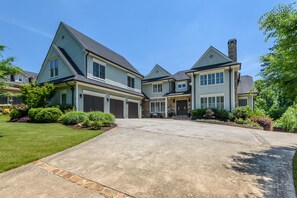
point(181, 107)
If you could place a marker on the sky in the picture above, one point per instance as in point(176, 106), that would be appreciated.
point(171, 33)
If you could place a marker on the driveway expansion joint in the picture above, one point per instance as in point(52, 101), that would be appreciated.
point(104, 190)
point(261, 140)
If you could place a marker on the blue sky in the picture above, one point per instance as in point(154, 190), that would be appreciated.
point(171, 33)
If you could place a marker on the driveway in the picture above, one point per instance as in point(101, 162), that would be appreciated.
point(164, 158)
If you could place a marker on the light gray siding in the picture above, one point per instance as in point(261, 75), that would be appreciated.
point(114, 75)
point(63, 70)
point(147, 89)
point(181, 89)
point(64, 40)
point(56, 100)
point(213, 90)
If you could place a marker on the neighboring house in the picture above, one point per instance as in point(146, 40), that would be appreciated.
point(213, 82)
point(14, 81)
point(91, 77)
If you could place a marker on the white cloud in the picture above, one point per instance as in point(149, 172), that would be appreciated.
point(26, 27)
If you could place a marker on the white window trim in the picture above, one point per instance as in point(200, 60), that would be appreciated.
point(95, 77)
point(213, 95)
point(99, 62)
point(22, 77)
point(131, 76)
point(155, 106)
point(157, 88)
point(213, 72)
point(245, 98)
point(182, 83)
point(49, 64)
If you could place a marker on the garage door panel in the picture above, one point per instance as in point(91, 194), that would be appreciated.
point(117, 108)
point(93, 103)
point(132, 110)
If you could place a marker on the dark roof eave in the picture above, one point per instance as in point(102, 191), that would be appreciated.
point(211, 67)
point(116, 64)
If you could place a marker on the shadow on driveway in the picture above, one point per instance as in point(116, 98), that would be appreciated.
point(271, 170)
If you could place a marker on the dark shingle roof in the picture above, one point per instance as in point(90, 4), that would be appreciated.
point(246, 84)
point(174, 93)
point(213, 66)
point(30, 74)
point(100, 50)
point(181, 75)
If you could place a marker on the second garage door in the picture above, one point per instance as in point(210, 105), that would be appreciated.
point(132, 110)
point(117, 108)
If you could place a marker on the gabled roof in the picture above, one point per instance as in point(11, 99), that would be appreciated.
point(30, 74)
point(100, 50)
point(210, 57)
point(157, 72)
point(181, 75)
point(246, 85)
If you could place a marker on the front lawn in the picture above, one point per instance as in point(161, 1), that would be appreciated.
point(295, 171)
point(21, 143)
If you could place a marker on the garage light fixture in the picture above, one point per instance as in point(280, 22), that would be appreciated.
point(107, 99)
point(80, 95)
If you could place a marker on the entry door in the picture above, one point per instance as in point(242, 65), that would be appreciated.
point(117, 108)
point(93, 103)
point(133, 110)
point(181, 107)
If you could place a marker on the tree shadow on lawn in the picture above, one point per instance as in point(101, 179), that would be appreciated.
point(271, 169)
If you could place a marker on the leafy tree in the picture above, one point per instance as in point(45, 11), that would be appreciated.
point(270, 99)
point(280, 64)
point(36, 96)
point(6, 68)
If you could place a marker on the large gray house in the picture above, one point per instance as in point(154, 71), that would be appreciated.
point(91, 77)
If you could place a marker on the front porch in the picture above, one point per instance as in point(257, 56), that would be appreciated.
point(179, 105)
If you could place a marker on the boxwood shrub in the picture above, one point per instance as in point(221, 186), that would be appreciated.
point(198, 113)
point(74, 117)
point(44, 115)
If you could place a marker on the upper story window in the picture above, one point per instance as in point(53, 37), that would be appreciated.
point(98, 70)
point(54, 71)
point(131, 81)
point(211, 79)
point(181, 85)
point(20, 78)
point(157, 88)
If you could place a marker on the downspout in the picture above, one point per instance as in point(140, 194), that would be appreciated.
point(72, 94)
point(230, 95)
point(194, 91)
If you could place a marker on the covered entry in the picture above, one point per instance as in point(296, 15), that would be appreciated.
point(93, 103)
point(181, 107)
point(117, 108)
point(132, 110)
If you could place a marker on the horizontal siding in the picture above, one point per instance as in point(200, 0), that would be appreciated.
point(147, 89)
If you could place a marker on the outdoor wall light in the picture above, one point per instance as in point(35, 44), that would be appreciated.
point(107, 99)
point(80, 95)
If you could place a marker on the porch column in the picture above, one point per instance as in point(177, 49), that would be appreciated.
point(166, 108)
point(193, 91)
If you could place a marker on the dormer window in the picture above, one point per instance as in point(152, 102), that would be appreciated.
point(54, 70)
point(181, 85)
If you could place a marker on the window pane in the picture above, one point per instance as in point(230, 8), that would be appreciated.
point(157, 106)
point(63, 99)
point(152, 107)
point(211, 79)
point(133, 82)
point(56, 71)
point(95, 69)
point(219, 78)
point(162, 106)
point(242, 102)
point(220, 102)
point(211, 102)
point(155, 88)
point(102, 71)
point(203, 80)
point(159, 87)
point(203, 103)
point(52, 72)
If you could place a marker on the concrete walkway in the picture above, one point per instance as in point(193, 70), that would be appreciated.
point(163, 158)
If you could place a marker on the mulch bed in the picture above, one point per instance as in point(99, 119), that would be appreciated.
point(104, 129)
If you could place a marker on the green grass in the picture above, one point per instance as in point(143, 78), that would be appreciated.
point(21, 143)
point(295, 171)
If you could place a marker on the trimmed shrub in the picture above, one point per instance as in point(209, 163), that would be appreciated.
point(264, 122)
point(239, 120)
point(44, 115)
point(74, 117)
point(97, 125)
point(288, 120)
point(242, 112)
point(198, 113)
point(221, 114)
point(18, 113)
point(209, 114)
point(95, 115)
point(87, 123)
point(66, 108)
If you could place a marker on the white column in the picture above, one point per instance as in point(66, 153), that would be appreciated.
point(139, 109)
point(233, 89)
point(166, 109)
point(192, 91)
point(76, 96)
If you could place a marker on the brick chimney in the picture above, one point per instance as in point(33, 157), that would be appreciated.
point(232, 49)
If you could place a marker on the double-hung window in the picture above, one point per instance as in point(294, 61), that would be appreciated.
point(157, 107)
point(203, 103)
point(219, 78)
point(131, 82)
point(54, 70)
point(220, 102)
point(98, 70)
point(211, 102)
point(211, 79)
point(157, 88)
point(203, 80)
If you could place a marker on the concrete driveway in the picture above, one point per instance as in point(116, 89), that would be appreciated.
point(163, 158)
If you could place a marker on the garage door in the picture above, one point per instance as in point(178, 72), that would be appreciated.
point(117, 108)
point(93, 103)
point(132, 110)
